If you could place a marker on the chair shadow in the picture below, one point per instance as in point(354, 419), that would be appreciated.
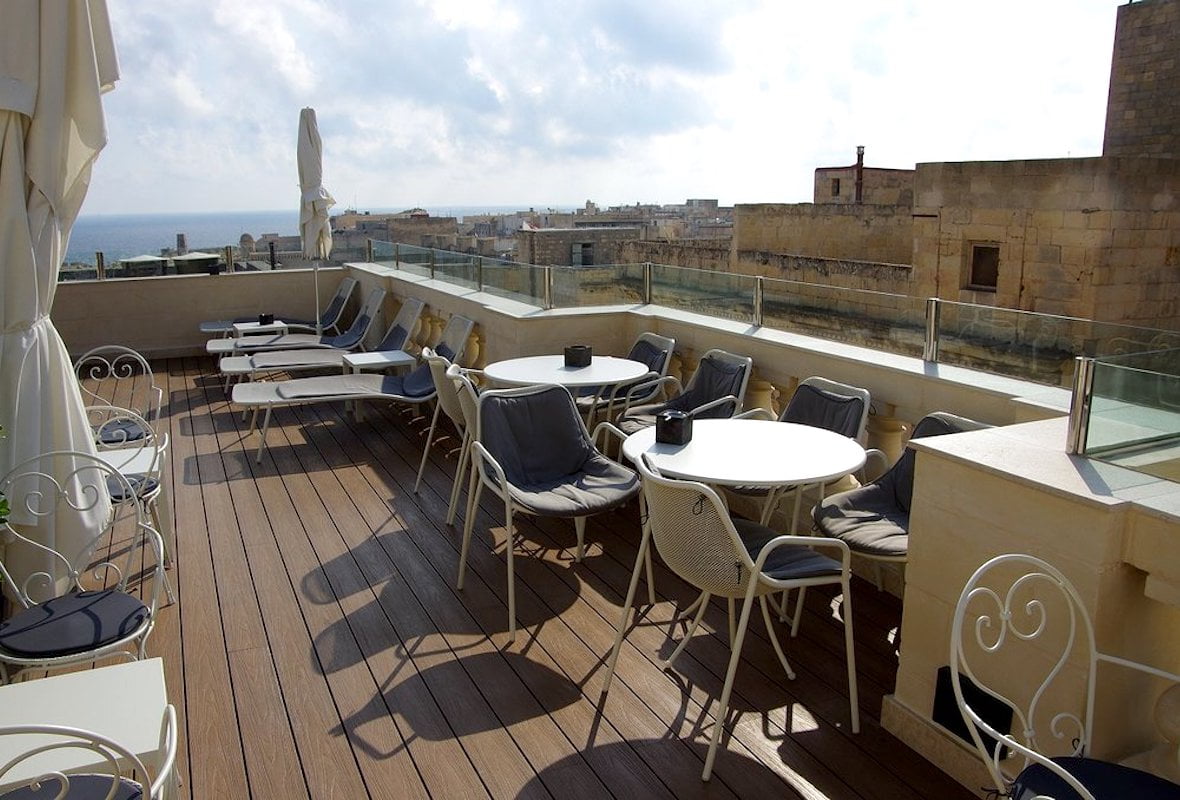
point(436, 703)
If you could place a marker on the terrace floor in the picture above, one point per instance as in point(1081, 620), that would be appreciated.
point(319, 647)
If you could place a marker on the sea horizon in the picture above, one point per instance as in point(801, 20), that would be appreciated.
point(119, 236)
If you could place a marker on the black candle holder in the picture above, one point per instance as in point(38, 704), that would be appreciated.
point(266, 319)
point(673, 427)
point(578, 355)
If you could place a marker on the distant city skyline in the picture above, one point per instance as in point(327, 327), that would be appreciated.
point(504, 103)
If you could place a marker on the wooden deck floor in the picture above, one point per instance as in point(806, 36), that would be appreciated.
point(319, 647)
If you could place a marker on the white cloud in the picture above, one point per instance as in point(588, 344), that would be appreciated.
point(462, 102)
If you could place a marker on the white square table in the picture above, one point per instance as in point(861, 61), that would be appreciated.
point(123, 702)
point(378, 359)
point(255, 327)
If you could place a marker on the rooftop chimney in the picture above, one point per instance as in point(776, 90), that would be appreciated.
point(860, 172)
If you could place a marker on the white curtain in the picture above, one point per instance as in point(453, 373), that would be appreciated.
point(56, 59)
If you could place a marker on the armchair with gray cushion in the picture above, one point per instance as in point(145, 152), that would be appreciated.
point(533, 450)
point(874, 519)
point(651, 349)
point(715, 390)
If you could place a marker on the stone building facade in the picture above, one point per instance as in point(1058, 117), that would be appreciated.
point(574, 247)
point(853, 232)
point(879, 186)
point(1143, 107)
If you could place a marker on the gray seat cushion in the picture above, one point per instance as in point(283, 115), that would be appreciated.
point(820, 408)
point(600, 485)
point(867, 519)
point(787, 561)
point(713, 380)
point(73, 623)
point(82, 787)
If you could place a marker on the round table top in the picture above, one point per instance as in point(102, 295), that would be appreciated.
point(533, 370)
point(750, 452)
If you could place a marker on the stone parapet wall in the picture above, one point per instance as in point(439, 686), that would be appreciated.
point(712, 254)
point(855, 232)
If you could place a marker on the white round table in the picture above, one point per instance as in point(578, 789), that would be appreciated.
point(533, 370)
point(752, 452)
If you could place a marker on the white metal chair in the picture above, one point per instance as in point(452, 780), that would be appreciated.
point(649, 348)
point(45, 769)
point(457, 398)
point(732, 558)
point(97, 616)
point(532, 448)
point(119, 376)
point(1019, 610)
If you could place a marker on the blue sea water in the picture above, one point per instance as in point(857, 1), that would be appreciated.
point(120, 236)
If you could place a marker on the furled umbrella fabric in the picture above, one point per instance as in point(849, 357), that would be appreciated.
point(56, 58)
point(314, 226)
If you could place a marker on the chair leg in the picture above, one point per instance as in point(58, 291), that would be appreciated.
point(460, 472)
point(729, 605)
point(262, 435)
point(778, 648)
point(646, 528)
point(468, 525)
point(426, 448)
point(877, 575)
point(688, 634)
point(580, 530)
point(798, 611)
point(850, 653)
point(511, 572)
point(734, 658)
point(154, 511)
point(631, 587)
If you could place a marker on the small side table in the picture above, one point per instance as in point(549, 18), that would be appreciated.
point(252, 328)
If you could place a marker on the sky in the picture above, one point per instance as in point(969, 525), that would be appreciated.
point(517, 103)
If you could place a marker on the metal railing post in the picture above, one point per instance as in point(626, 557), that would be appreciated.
point(397, 256)
point(432, 263)
point(759, 295)
point(270, 246)
point(1080, 405)
point(369, 251)
point(229, 258)
point(933, 315)
point(547, 299)
point(479, 273)
point(647, 283)
point(100, 266)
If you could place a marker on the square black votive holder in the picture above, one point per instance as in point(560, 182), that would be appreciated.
point(266, 319)
point(578, 355)
point(673, 427)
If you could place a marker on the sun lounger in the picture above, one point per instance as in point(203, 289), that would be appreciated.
point(301, 360)
point(414, 387)
point(329, 320)
point(348, 340)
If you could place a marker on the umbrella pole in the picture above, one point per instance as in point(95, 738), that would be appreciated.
point(315, 268)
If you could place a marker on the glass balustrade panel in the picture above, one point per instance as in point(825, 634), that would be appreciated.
point(1135, 412)
point(717, 294)
point(609, 284)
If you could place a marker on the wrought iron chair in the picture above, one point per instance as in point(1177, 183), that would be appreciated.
point(532, 448)
point(874, 519)
point(43, 771)
point(86, 622)
point(1019, 609)
point(119, 376)
point(735, 559)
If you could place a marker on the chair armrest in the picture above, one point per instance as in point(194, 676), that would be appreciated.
point(880, 462)
point(481, 456)
point(608, 429)
point(814, 542)
point(729, 398)
point(757, 412)
point(646, 388)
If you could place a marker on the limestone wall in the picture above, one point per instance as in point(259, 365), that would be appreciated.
point(1142, 112)
point(885, 187)
point(854, 232)
point(553, 246)
point(1086, 237)
point(695, 253)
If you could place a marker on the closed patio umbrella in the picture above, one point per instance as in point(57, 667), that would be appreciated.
point(314, 228)
point(56, 58)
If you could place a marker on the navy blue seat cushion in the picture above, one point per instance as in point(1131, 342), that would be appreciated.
point(394, 339)
point(141, 485)
point(420, 382)
point(82, 787)
point(120, 431)
point(1104, 780)
point(787, 561)
point(73, 623)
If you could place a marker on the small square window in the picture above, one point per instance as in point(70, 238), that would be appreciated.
point(985, 266)
point(835, 187)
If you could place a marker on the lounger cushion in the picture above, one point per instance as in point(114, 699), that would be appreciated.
point(330, 386)
point(288, 358)
point(787, 561)
point(867, 519)
point(394, 339)
point(82, 787)
point(73, 623)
